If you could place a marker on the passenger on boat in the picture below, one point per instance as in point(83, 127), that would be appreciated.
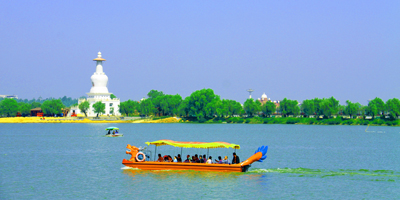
point(204, 158)
point(113, 132)
point(209, 161)
point(109, 132)
point(193, 159)
point(179, 158)
point(235, 159)
point(165, 158)
point(175, 159)
point(116, 132)
point(225, 160)
point(160, 159)
point(169, 158)
point(196, 158)
point(201, 160)
point(187, 159)
point(219, 161)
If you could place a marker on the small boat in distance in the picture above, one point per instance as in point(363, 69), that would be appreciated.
point(113, 132)
point(140, 157)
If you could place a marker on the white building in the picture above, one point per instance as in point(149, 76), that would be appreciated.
point(99, 92)
point(9, 96)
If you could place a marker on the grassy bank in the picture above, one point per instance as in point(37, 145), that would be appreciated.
point(231, 120)
point(293, 120)
point(86, 120)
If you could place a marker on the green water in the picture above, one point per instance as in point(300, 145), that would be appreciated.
point(75, 161)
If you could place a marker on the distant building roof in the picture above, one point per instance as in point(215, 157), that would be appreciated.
point(36, 109)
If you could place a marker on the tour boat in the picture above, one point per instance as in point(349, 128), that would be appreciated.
point(140, 157)
point(113, 129)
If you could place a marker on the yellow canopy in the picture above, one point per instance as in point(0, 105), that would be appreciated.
point(202, 145)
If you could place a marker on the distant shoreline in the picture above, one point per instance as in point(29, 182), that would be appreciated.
point(232, 120)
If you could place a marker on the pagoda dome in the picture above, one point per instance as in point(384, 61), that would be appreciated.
point(264, 96)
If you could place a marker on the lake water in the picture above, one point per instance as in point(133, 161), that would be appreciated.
point(76, 161)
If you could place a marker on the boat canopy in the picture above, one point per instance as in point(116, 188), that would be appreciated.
point(112, 128)
point(202, 145)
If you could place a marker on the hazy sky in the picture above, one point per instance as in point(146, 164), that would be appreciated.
point(294, 49)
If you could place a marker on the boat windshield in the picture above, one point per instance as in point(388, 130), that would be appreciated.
point(202, 145)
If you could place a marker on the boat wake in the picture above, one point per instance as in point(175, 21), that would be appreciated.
point(387, 175)
point(130, 168)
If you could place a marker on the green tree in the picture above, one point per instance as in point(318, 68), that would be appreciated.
point(8, 107)
point(393, 107)
point(196, 103)
point(268, 108)
point(372, 110)
point(112, 96)
point(84, 107)
point(128, 107)
point(317, 106)
point(169, 104)
point(35, 105)
point(24, 108)
point(252, 107)
point(99, 108)
point(154, 94)
point(289, 107)
point(351, 108)
point(214, 108)
point(308, 107)
point(375, 107)
point(112, 110)
point(146, 107)
point(52, 107)
point(360, 109)
point(329, 106)
point(123, 108)
point(156, 97)
point(183, 109)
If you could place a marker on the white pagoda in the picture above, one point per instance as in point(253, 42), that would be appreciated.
point(99, 92)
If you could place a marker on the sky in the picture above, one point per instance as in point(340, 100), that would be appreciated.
point(288, 49)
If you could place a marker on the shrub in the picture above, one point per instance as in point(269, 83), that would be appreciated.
point(266, 120)
point(348, 122)
point(202, 120)
point(228, 120)
point(331, 121)
point(247, 121)
point(292, 120)
point(378, 121)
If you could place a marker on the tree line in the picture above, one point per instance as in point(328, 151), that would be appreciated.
point(49, 106)
point(204, 104)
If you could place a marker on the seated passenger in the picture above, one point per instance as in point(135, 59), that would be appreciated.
point(205, 158)
point(209, 161)
point(175, 159)
point(160, 159)
point(169, 158)
point(201, 160)
point(165, 158)
point(179, 158)
point(196, 158)
point(219, 161)
point(225, 161)
point(193, 159)
point(187, 159)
